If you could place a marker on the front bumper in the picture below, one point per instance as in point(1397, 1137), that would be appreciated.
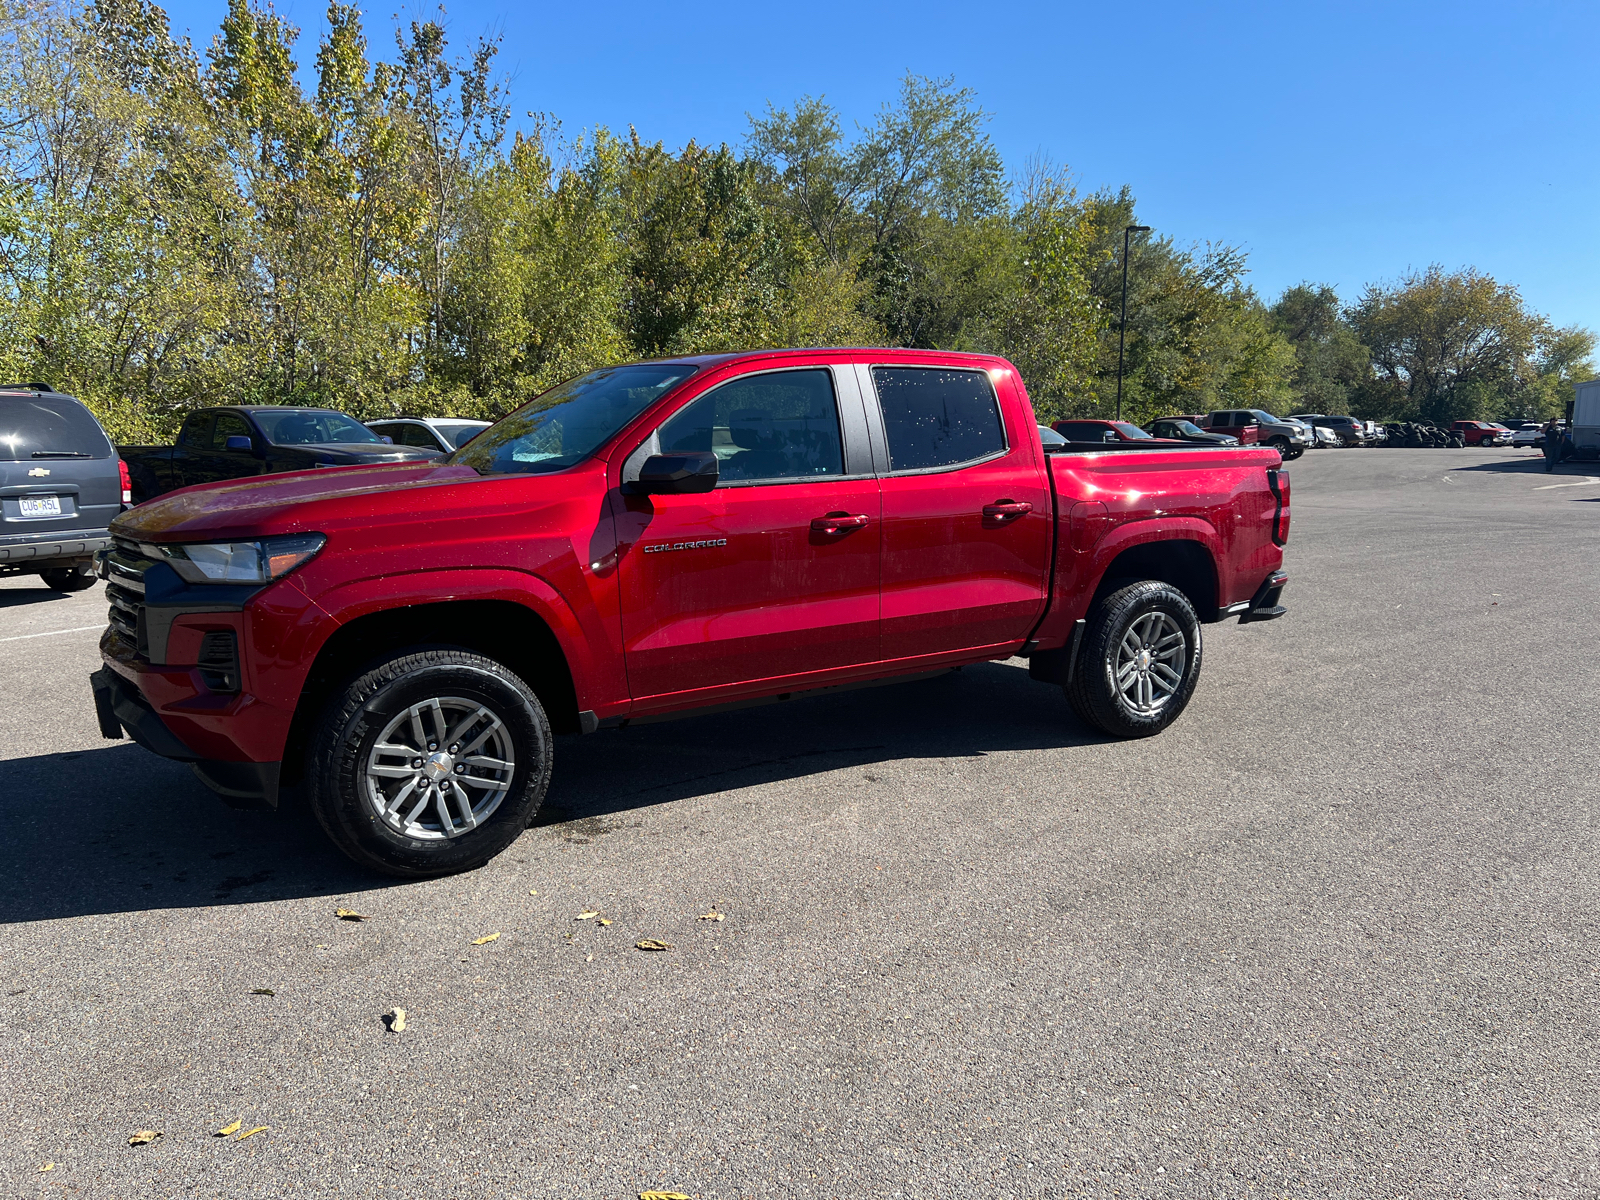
point(123, 709)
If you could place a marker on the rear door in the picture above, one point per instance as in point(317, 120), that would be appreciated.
point(966, 512)
point(775, 574)
point(58, 472)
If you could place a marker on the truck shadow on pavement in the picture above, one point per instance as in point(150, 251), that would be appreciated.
point(16, 597)
point(117, 829)
point(1524, 466)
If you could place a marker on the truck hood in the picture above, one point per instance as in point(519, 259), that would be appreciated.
point(287, 503)
point(358, 452)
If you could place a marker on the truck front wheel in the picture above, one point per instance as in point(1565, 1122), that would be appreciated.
point(430, 763)
point(1138, 662)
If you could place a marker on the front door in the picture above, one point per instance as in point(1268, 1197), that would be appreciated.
point(772, 576)
point(966, 515)
point(215, 461)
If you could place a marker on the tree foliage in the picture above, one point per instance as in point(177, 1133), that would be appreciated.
point(262, 221)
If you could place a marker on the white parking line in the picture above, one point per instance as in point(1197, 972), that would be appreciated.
point(1575, 483)
point(22, 637)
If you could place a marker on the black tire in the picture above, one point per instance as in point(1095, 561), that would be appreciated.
point(1281, 445)
point(68, 579)
point(1093, 692)
point(1294, 454)
point(344, 797)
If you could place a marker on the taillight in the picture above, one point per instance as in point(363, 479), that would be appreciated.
point(1278, 481)
point(127, 482)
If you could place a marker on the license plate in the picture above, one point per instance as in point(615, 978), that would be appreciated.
point(41, 506)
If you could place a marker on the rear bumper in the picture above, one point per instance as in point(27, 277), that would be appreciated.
point(29, 548)
point(1264, 605)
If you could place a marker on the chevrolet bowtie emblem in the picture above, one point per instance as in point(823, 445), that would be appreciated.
point(40, 471)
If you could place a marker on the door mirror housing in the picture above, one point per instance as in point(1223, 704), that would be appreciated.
point(678, 474)
point(240, 442)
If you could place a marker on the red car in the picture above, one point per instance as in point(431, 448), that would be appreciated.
point(1482, 433)
point(399, 642)
point(1107, 431)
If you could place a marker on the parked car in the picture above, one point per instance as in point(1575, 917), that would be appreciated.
point(61, 484)
point(1049, 437)
point(1525, 433)
point(1254, 426)
point(444, 434)
point(1482, 433)
point(652, 540)
point(216, 444)
point(1101, 431)
point(1181, 429)
point(1347, 430)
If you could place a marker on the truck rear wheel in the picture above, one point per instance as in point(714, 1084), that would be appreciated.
point(429, 763)
point(1139, 661)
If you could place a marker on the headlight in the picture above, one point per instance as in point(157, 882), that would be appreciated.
point(239, 562)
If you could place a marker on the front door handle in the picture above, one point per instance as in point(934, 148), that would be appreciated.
point(839, 522)
point(1005, 510)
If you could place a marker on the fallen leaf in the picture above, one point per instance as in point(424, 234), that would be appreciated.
point(229, 1129)
point(652, 944)
point(250, 1132)
point(397, 1020)
point(348, 914)
point(589, 959)
point(144, 1137)
point(585, 916)
point(262, 992)
point(711, 916)
point(47, 1167)
point(603, 921)
point(663, 1196)
point(485, 940)
point(533, 891)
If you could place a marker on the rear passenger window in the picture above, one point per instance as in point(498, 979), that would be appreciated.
point(938, 417)
point(780, 426)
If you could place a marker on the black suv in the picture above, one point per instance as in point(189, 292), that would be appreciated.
point(60, 485)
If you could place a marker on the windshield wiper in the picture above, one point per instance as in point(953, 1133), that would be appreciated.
point(61, 454)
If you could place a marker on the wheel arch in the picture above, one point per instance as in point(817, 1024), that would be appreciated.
point(1184, 563)
point(508, 632)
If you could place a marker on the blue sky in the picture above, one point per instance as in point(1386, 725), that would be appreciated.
point(1340, 143)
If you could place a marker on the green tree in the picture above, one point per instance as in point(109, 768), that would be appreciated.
point(1331, 364)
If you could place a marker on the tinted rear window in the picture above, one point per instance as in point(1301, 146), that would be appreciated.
point(49, 427)
point(937, 417)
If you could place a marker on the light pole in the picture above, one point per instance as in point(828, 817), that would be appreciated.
point(1122, 326)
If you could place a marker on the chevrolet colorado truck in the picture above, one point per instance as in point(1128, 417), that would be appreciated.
point(397, 644)
point(216, 444)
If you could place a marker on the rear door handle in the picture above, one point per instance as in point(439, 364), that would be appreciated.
point(1006, 509)
point(839, 522)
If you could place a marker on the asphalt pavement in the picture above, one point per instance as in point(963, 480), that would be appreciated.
point(1333, 934)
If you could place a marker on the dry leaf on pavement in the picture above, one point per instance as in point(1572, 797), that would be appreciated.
point(587, 915)
point(663, 1196)
point(229, 1129)
point(711, 916)
point(262, 992)
point(47, 1167)
point(397, 1020)
point(144, 1137)
point(652, 944)
point(533, 891)
point(249, 1132)
point(485, 939)
point(603, 921)
point(348, 914)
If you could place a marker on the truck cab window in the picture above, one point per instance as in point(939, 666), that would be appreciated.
point(937, 417)
point(783, 425)
point(227, 426)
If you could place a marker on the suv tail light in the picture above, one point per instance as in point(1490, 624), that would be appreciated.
point(127, 482)
point(1278, 481)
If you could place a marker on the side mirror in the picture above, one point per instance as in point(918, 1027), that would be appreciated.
point(240, 442)
point(386, 439)
point(678, 474)
point(1108, 436)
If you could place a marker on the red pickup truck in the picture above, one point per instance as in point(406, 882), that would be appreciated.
point(399, 642)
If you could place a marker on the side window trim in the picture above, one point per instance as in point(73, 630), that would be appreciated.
point(881, 440)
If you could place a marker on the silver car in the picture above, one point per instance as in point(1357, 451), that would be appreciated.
point(429, 433)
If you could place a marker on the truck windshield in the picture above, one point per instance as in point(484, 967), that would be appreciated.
point(569, 422)
point(310, 427)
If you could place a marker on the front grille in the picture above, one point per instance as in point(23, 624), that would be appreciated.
point(125, 565)
point(219, 661)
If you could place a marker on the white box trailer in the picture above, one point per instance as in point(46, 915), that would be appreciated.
point(1585, 421)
